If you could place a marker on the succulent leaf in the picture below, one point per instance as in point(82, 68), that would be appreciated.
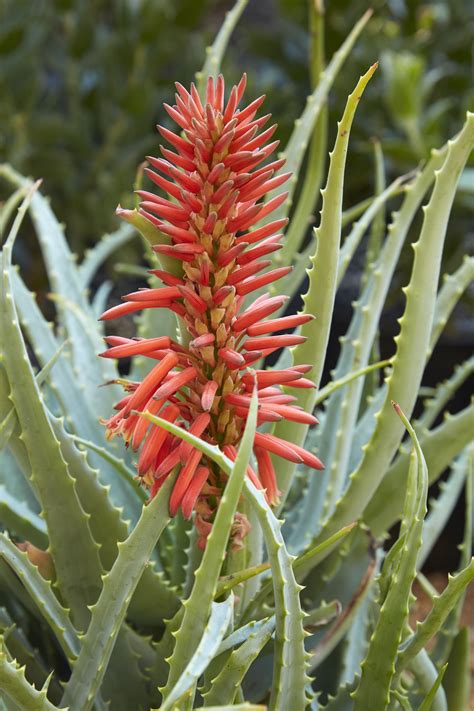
point(198, 606)
point(397, 577)
point(17, 689)
point(215, 53)
point(322, 278)
point(101, 251)
point(109, 612)
point(413, 340)
point(224, 685)
point(42, 594)
point(212, 636)
point(68, 526)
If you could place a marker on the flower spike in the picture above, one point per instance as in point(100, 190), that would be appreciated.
point(212, 195)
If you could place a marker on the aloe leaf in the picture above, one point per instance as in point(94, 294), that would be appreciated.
point(397, 577)
point(120, 467)
point(68, 529)
point(309, 196)
point(215, 52)
point(453, 288)
point(444, 392)
point(341, 701)
point(346, 619)
point(356, 640)
point(356, 348)
point(86, 341)
point(427, 676)
point(440, 446)
point(198, 606)
point(289, 679)
point(44, 344)
point(322, 276)
point(365, 426)
point(444, 639)
point(69, 393)
point(153, 599)
point(111, 607)
point(360, 227)
point(105, 521)
point(413, 339)
point(16, 515)
point(20, 512)
point(99, 302)
point(442, 507)
point(442, 605)
point(8, 208)
point(299, 564)
point(14, 463)
point(304, 126)
point(456, 680)
point(17, 646)
point(224, 685)
point(377, 231)
point(16, 688)
point(212, 636)
point(102, 250)
point(179, 530)
point(8, 423)
point(242, 634)
point(79, 323)
point(43, 596)
point(427, 704)
point(335, 385)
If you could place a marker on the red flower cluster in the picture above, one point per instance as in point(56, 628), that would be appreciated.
point(215, 187)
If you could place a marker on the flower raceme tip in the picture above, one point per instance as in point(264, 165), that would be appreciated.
point(215, 177)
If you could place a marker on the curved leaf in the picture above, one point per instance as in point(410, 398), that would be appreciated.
point(15, 686)
point(68, 529)
point(110, 610)
point(198, 606)
point(413, 340)
point(215, 53)
point(224, 686)
point(322, 279)
point(101, 251)
point(214, 631)
point(43, 596)
point(396, 580)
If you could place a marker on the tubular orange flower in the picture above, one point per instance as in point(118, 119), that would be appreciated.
point(215, 185)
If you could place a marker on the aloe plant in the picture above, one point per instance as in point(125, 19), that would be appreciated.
point(233, 578)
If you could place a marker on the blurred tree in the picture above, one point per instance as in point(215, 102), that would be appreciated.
point(82, 82)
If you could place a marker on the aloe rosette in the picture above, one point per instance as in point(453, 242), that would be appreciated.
point(216, 188)
point(138, 609)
